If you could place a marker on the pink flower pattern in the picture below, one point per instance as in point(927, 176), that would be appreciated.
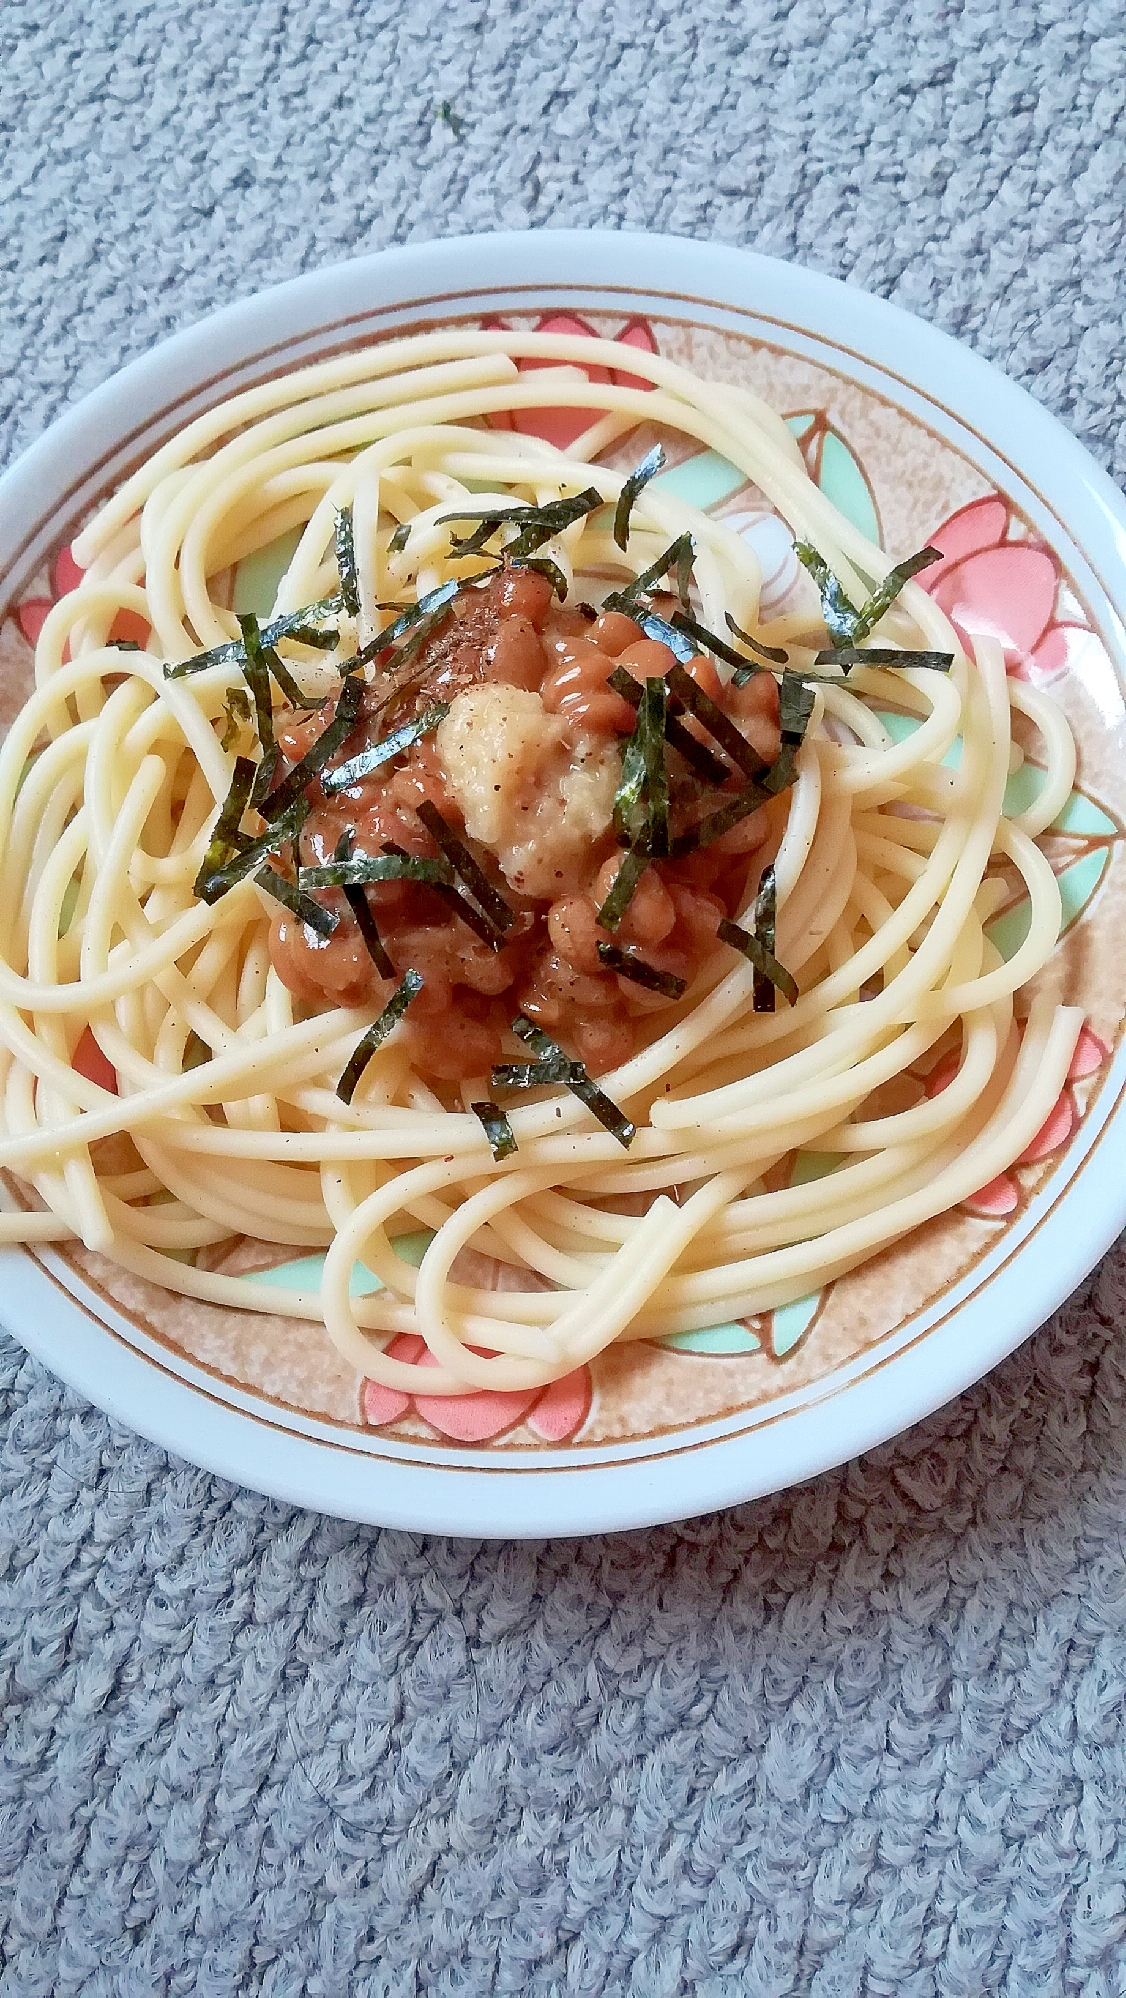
point(1007, 586)
point(553, 1413)
point(65, 575)
point(561, 426)
point(1002, 1196)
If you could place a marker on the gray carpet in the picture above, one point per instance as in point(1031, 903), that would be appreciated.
point(864, 1738)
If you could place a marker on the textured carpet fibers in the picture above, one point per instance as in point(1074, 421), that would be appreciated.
point(863, 1738)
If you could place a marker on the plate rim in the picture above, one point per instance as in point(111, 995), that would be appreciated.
point(479, 1500)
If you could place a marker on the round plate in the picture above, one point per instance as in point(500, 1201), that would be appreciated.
point(917, 440)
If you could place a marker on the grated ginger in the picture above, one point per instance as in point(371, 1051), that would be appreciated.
point(530, 791)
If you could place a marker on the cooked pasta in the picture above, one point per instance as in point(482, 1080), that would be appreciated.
point(861, 884)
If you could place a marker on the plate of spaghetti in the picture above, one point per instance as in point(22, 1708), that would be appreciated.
point(562, 885)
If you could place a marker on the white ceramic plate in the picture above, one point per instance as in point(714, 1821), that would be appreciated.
point(915, 437)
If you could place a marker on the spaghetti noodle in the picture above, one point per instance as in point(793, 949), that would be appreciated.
point(133, 907)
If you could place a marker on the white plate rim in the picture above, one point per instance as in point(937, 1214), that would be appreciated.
point(485, 1497)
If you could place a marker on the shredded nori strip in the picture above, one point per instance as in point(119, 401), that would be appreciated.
point(764, 960)
point(706, 640)
point(312, 914)
point(462, 546)
point(226, 835)
point(365, 922)
point(677, 736)
point(849, 626)
point(377, 1033)
point(680, 645)
point(265, 777)
point(775, 653)
point(462, 907)
point(552, 516)
point(497, 1129)
point(872, 655)
point(544, 566)
point(307, 634)
point(237, 708)
point(730, 739)
point(885, 593)
point(295, 695)
point(125, 645)
point(233, 651)
point(328, 742)
point(415, 625)
point(260, 661)
point(783, 770)
point(228, 654)
point(624, 884)
point(638, 479)
point(291, 622)
point(653, 714)
point(648, 975)
point(346, 562)
point(795, 705)
point(840, 614)
point(536, 1074)
point(404, 654)
point(622, 601)
point(678, 554)
point(211, 884)
point(631, 783)
point(362, 870)
point(469, 914)
point(464, 865)
point(766, 913)
point(708, 830)
point(430, 604)
point(400, 538)
point(588, 1092)
point(544, 522)
point(535, 524)
point(644, 779)
point(684, 562)
point(377, 753)
point(256, 673)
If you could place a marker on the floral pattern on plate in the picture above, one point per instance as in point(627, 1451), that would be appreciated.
point(555, 1414)
point(997, 574)
point(997, 578)
point(561, 426)
point(1003, 1195)
point(65, 575)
